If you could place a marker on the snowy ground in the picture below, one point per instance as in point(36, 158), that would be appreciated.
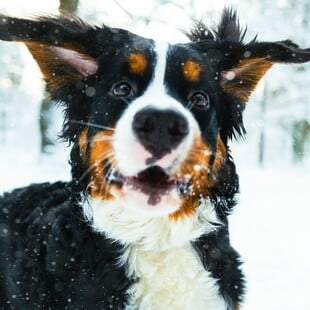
point(270, 227)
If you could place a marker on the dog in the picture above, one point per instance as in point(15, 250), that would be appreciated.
point(143, 224)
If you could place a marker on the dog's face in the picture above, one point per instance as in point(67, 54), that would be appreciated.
point(163, 148)
point(149, 121)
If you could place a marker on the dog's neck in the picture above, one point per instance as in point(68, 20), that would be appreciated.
point(148, 232)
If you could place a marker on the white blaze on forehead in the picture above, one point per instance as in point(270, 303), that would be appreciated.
point(161, 65)
point(156, 94)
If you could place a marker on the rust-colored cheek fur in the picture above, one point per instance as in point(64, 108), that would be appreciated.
point(203, 172)
point(97, 154)
point(199, 166)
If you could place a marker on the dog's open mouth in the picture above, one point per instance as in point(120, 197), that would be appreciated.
point(153, 181)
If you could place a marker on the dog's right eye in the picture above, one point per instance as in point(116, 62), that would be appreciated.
point(122, 89)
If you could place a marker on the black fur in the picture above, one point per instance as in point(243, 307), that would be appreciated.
point(218, 256)
point(228, 29)
point(51, 259)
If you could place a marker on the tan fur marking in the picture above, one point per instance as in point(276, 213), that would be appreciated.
point(52, 67)
point(83, 142)
point(202, 175)
point(242, 80)
point(137, 63)
point(192, 71)
point(100, 150)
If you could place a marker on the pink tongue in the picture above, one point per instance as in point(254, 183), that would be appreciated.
point(153, 182)
point(154, 199)
point(154, 191)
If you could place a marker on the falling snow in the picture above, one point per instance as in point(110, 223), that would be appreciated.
point(230, 75)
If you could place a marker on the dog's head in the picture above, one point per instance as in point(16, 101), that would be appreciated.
point(150, 122)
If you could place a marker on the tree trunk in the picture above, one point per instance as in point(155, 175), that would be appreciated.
point(261, 146)
point(301, 137)
point(69, 6)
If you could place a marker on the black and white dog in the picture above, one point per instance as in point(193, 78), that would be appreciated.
point(143, 223)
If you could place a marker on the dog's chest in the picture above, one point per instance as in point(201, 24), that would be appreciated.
point(172, 279)
point(160, 256)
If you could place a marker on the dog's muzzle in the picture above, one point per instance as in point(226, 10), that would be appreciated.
point(159, 131)
point(150, 145)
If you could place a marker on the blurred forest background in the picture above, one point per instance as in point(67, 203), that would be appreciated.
point(277, 119)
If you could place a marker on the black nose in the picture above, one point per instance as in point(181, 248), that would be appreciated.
point(159, 131)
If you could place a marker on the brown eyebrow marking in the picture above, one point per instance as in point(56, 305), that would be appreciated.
point(192, 70)
point(137, 63)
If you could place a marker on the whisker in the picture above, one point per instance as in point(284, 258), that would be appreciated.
point(109, 177)
point(92, 125)
point(88, 170)
point(105, 182)
point(211, 154)
point(97, 139)
point(107, 164)
point(189, 106)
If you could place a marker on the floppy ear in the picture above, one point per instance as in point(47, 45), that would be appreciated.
point(252, 61)
point(242, 65)
point(61, 46)
point(239, 66)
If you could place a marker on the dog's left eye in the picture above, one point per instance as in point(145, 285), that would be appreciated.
point(122, 89)
point(199, 100)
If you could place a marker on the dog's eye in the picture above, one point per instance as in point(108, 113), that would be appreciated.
point(122, 89)
point(199, 100)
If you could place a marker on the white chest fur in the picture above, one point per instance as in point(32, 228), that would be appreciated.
point(159, 254)
point(172, 279)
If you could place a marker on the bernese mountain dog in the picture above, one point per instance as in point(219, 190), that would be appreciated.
point(143, 224)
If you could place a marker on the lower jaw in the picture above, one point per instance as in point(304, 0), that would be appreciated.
point(148, 204)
